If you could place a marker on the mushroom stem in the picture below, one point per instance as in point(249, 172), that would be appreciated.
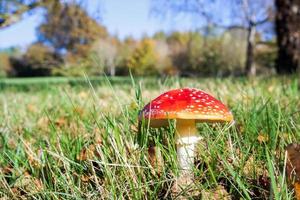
point(186, 138)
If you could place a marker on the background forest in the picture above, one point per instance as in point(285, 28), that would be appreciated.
point(238, 37)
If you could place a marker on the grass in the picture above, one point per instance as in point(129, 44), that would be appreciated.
point(63, 139)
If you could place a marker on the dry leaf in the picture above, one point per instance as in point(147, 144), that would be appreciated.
point(79, 111)
point(32, 108)
point(240, 128)
point(84, 178)
point(60, 122)
point(87, 153)
point(262, 138)
point(293, 162)
point(6, 170)
point(253, 166)
point(134, 128)
point(216, 194)
point(293, 167)
point(28, 183)
point(271, 88)
point(297, 190)
point(43, 123)
point(83, 94)
point(33, 158)
point(155, 158)
point(12, 143)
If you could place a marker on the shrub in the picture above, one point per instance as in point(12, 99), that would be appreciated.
point(5, 64)
point(39, 60)
point(144, 59)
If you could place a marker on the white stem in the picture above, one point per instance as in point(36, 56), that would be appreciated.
point(185, 156)
point(186, 138)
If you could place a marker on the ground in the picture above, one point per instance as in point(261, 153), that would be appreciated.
point(78, 138)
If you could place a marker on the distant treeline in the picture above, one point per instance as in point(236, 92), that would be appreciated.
point(71, 43)
point(178, 53)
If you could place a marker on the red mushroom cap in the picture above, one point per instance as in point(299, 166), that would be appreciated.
point(186, 103)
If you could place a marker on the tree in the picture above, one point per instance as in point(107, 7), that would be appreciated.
point(125, 50)
point(143, 59)
point(180, 45)
point(69, 29)
point(288, 35)
point(105, 53)
point(242, 14)
point(11, 11)
point(39, 60)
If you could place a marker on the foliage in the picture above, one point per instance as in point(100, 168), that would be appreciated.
point(104, 55)
point(38, 60)
point(251, 16)
point(4, 64)
point(68, 28)
point(266, 55)
point(12, 11)
point(193, 54)
point(125, 50)
point(143, 59)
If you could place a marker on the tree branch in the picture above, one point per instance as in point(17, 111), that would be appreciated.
point(257, 23)
point(9, 19)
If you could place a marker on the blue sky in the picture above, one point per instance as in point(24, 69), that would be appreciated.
point(122, 18)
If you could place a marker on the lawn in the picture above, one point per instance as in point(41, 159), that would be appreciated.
point(78, 139)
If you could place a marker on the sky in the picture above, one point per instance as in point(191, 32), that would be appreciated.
point(122, 18)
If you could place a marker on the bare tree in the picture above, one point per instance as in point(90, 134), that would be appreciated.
point(106, 55)
point(288, 35)
point(242, 14)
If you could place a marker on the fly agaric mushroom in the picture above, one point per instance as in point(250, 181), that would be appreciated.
point(187, 106)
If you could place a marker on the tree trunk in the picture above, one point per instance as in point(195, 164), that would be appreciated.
point(249, 65)
point(288, 36)
point(112, 70)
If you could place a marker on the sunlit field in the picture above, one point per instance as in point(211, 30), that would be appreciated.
point(79, 139)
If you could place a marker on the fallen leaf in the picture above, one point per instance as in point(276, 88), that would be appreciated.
point(134, 128)
point(293, 167)
point(155, 158)
point(83, 94)
point(84, 178)
point(60, 122)
point(215, 194)
point(271, 88)
point(32, 108)
point(253, 166)
point(43, 123)
point(262, 138)
point(87, 153)
point(79, 111)
point(33, 158)
point(28, 183)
